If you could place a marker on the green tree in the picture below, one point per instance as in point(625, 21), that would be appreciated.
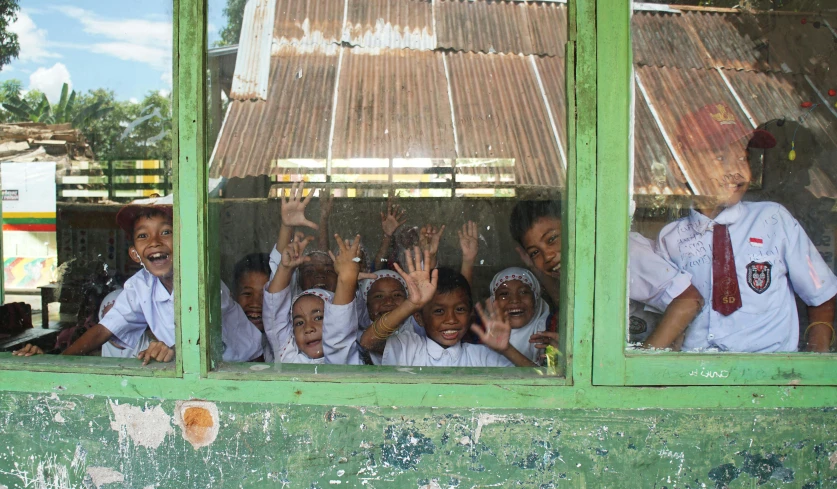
point(9, 45)
point(234, 12)
point(40, 110)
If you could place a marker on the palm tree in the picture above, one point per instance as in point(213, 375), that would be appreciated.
point(61, 113)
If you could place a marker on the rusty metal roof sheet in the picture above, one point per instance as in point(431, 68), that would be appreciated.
point(253, 63)
point(293, 122)
point(655, 171)
point(501, 27)
point(393, 105)
point(500, 113)
point(390, 24)
point(673, 93)
point(304, 26)
point(665, 39)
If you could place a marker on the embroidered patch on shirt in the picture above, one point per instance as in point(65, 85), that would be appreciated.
point(758, 276)
point(757, 242)
point(637, 325)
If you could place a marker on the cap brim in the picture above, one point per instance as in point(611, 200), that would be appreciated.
point(127, 216)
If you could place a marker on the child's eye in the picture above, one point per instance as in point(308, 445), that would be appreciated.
point(318, 318)
point(298, 323)
point(141, 236)
point(166, 232)
point(438, 311)
point(461, 310)
point(533, 253)
point(398, 294)
point(552, 238)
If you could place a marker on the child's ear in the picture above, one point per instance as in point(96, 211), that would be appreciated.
point(134, 254)
point(418, 318)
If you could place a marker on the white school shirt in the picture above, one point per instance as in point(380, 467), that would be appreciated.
point(110, 350)
point(406, 348)
point(339, 331)
point(654, 282)
point(773, 259)
point(145, 302)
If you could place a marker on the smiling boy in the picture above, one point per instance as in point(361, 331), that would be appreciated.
point(147, 300)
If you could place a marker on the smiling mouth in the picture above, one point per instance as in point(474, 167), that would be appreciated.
point(313, 343)
point(320, 285)
point(157, 257)
point(515, 312)
point(449, 334)
point(254, 317)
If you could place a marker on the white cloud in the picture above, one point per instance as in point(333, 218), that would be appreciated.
point(50, 80)
point(133, 100)
point(33, 41)
point(163, 93)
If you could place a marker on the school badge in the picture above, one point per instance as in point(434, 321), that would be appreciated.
point(758, 276)
point(637, 325)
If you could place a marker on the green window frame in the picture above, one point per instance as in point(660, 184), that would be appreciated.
point(615, 365)
point(599, 374)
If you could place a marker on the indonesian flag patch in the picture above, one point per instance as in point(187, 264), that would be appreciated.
point(757, 242)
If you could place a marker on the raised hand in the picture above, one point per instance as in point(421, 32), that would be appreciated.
point(421, 283)
point(469, 241)
point(293, 207)
point(347, 261)
point(429, 238)
point(394, 218)
point(495, 330)
point(293, 256)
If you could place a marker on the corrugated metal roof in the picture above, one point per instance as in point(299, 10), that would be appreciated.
point(672, 94)
point(501, 27)
point(733, 41)
point(553, 76)
point(293, 122)
point(487, 27)
point(305, 26)
point(393, 105)
point(664, 39)
point(655, 171)
point(253, 63)
point(390, 24)
point(500, 114)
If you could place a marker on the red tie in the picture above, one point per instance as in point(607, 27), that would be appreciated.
point(726, 297)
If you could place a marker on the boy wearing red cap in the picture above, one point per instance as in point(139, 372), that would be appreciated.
point(147, 300)
point(748, 257)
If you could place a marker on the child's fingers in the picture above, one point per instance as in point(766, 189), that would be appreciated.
point(333, 258)
point(481, 313)
point(434, 277)
point(426, 261)
point(408, 260)
point(340, 243)
point(441, 230)
point(364, 276)
point(356, 246)
point(401, 272)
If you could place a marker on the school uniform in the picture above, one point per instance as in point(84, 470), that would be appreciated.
point(339, 338)
point(145, 303)
point(519, 337)
point(772, 259)
point(654, 283)
point(406, 348)
point(110, 349)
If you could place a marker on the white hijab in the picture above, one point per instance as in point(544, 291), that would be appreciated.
point(520, 336)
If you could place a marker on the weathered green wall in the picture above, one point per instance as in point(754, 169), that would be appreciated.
point(57, 441)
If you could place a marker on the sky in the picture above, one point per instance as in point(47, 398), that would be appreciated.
point(120, 45)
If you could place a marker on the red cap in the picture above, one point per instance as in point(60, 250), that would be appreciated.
point(712, 127)
point(762, 139)
point(127, 216)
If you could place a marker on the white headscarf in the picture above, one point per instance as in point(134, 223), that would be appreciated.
point(520, 336)
point(366, 284)
point(323, 294)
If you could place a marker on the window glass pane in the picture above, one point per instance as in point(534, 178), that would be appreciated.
point(423, 121)
point(733, 177)
point(85, 128)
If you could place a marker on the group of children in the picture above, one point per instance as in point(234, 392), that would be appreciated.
point(304, 305)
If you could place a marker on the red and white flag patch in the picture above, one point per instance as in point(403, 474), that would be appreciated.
point(757, 242)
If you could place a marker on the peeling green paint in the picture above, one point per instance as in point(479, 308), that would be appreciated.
point(267, 445)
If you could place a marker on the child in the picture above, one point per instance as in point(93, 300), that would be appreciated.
point(249, 278)
point(536, 226)
point(750, 257)
point(517, 294)
point(147, 300)
point(112, 350)
point(442, 303)
point(315, 326)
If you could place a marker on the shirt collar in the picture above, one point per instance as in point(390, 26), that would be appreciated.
point(701, 223)
point(436, 351)
point(160, 293)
